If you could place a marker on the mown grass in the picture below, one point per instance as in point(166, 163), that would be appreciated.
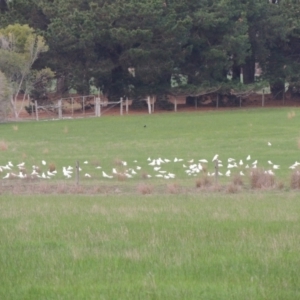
point(210, 246)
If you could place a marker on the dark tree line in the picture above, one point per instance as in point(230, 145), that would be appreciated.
point(98, 42)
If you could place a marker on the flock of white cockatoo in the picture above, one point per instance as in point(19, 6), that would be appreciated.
point(153, 168)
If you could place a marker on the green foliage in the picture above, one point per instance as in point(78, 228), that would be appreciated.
point(41, 82)
point(198, 40)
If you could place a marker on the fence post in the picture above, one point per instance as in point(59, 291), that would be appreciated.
point(216, 170)
point(36, 111)
point(98, 107)
point(263, 98)
point(121, 106)
point(217, 104)
point(127, 105)
point(59, 109)
point(32, 110)
point(83, 105)
point(72, 102)
point(149, 105)
point(175, 104)
point(240, 101)
point(77, 173)
point(153, 102)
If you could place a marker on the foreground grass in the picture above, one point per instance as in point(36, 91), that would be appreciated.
point(212, 246)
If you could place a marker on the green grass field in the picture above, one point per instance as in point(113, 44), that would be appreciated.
point(120, 244)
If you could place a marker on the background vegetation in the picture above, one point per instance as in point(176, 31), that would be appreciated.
point(95, 42)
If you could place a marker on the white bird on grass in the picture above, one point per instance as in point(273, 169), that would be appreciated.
point(228, 173)
point(203, 161)
point(6, 176)
point(22, 164)
point(241, 173)
point(269, 144)
point(248, 157)
point(50, 173)
point(230, 166)
point(276, 167)
point(66, 172)
point(270, 163)
point(106, 175)
point(152, 163)
point(215, 157)
point(87, 175)
point(86, 162)
point(44, 163)
point(21, 175)
point(34, 172)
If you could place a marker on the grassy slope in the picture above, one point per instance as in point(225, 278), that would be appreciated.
point(180, 247)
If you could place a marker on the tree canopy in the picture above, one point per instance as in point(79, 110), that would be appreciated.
point(137, 47)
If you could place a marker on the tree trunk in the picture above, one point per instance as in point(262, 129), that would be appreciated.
point(249, 70)
point(236, 72)
point(277, 89)
point(13, 103)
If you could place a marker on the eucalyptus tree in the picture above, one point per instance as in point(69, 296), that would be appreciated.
point(20, 47)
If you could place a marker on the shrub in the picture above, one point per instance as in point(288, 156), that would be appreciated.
point(259, 179)
point(173, 188)
point(203, 182)
point(144, 189)
point(295, 180)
